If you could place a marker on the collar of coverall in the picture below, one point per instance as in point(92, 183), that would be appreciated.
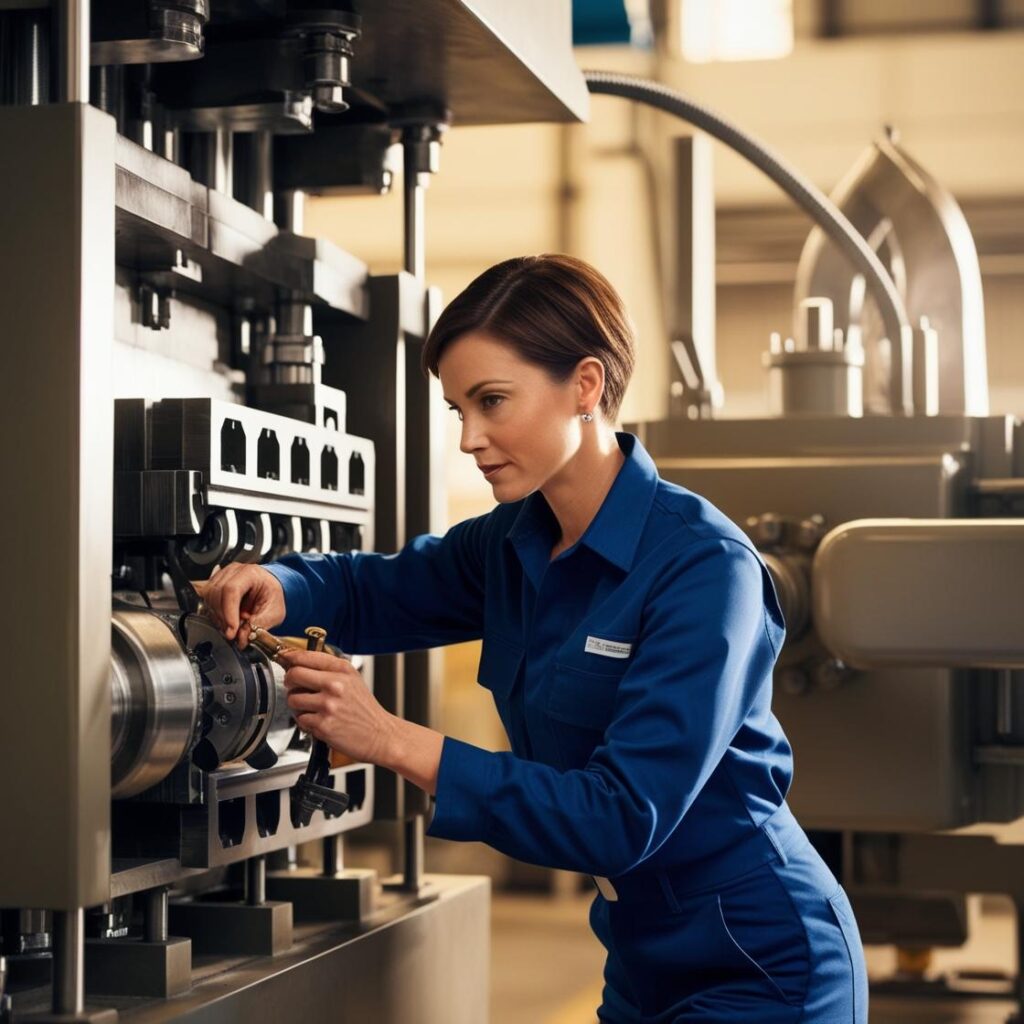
point(614, 532)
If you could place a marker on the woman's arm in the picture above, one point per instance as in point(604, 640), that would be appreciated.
point(428, 594)
point(331, 701)
point(701, 665)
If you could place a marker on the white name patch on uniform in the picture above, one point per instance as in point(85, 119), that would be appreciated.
point(609, 648)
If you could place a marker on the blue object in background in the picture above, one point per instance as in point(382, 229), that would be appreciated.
point(599, 21)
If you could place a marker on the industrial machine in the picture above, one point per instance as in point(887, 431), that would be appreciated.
point(192, 380)
point(885, 500)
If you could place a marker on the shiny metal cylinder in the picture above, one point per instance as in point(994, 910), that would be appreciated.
point(415, 215)
point(72, 29)
point(256, 881)
point(334, 855)
point(257, 187)
point(414, 836)
point(155, 701)
point(155, 927)
point(290, 210)
point(69, 962)
point(24, 58)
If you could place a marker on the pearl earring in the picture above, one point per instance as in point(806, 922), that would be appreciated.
point(586, 416)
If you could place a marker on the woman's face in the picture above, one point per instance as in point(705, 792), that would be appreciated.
point(519, 425)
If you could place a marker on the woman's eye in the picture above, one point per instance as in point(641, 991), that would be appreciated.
point(487, 404)
point(452, 408)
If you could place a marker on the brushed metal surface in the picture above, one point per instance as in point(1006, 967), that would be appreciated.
point(57, 265)
point(959, 602)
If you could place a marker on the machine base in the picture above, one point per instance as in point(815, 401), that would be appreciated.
point(422, 964)
point(346, 896)
point(233, 928)
point(86, 1017)
point(127, 967)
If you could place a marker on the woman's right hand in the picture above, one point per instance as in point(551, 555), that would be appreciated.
point(238, 593)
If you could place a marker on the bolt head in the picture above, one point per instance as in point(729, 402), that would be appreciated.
point(793, 681)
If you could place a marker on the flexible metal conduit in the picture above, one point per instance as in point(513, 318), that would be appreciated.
point(805, 194)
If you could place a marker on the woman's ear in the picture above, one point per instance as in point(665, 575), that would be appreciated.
point(590, 382)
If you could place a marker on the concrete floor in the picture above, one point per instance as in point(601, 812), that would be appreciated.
point(546, 966)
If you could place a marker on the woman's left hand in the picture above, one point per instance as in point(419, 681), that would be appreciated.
point(330, 700)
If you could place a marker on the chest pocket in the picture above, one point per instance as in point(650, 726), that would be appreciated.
point(586, 684)
point(581, 701)
point(499, 667)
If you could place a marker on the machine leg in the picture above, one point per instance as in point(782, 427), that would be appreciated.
point(331, 894)
point(157, 966)
point(258, 926)
point(68, 962)
point(69, 974)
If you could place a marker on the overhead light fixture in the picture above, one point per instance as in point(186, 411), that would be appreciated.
point(735, 29)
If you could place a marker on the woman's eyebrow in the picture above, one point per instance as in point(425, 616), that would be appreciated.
point(476, 387)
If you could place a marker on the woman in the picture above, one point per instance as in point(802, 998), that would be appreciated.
point(629, 634)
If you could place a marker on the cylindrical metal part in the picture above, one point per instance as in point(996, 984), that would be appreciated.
point(68, 961)
point(256, 152)
point(256, 881)
point(926, 369)
point(414, 837)
point(154, 916)
point(154, 691)
point(72, 45)
point(289, 210)
point(334, 855)
point(414, 256)
point(222, 161)
point(816, 383)
point(816, 320)
point(209, 159)
point(107, 90)
point(24, 57)
point(960, 602)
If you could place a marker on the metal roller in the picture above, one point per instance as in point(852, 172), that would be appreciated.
point(198, 698)
point(155, 700)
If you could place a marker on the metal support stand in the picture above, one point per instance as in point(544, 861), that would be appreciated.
point(69, 975)
point(156, 966)
point(421, 146)
point(68, 966)
point(258, 926)
point(330, 894)
point(234, 928)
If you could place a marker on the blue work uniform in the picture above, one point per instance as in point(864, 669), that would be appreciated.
point(633, 674)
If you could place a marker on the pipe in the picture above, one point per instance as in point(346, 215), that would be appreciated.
point(154, 916)
point(803, 192)
point(68, 962)
point(72, 51)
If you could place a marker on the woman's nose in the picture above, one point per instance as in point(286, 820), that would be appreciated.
point(472, 438)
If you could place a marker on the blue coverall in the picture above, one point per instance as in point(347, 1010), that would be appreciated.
point(633, 674)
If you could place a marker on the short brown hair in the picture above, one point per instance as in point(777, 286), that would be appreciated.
point(553, 310)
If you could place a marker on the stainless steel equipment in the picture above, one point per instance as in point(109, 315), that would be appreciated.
point(887, 504)
point(193, 381)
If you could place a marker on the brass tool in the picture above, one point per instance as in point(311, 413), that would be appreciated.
point(311, 792)
point(272, 646)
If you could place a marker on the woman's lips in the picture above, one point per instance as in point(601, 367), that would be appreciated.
point(490, 471)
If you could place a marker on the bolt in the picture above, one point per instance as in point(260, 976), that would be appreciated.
point(793, 681)
point(227, 678)
point(223, 718)
point(810, 532)
point(769, 529)
point(830, 673)
point(229, 698)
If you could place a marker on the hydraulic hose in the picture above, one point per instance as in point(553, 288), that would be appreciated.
point(806, 195)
